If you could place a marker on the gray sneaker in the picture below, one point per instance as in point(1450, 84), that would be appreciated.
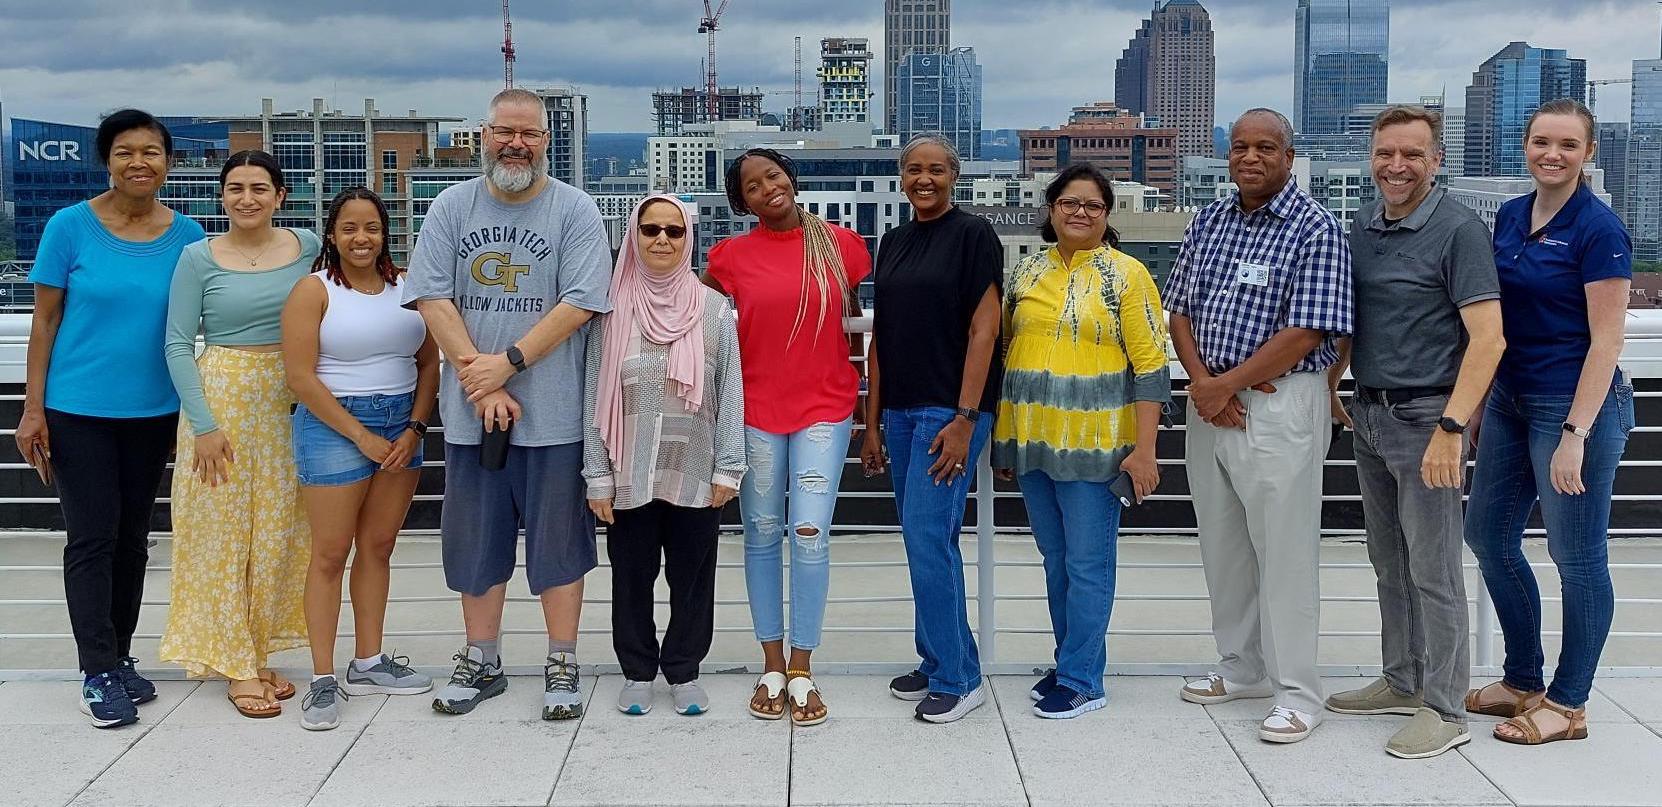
point(1427, 735)
point(471, 683)
point(391, 675)
point(635, 698)
point(1377, 698)
point(562, 697)
point(690, 698)
point(320, 709)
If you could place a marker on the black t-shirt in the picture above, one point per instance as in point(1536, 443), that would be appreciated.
point(930, 277)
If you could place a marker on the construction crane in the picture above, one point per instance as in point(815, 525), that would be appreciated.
point(796, 111)
point(508, 48)
point(708, 25)
point(1593, 91)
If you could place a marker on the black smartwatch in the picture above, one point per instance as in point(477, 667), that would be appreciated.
point(419, 428)
point(1450, 425)
point(968, 413)
point(516, 358)
point(1571, 428)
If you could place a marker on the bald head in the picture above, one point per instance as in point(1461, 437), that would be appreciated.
point(1268, 116)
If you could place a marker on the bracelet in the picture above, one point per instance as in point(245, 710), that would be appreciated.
point(418, 427)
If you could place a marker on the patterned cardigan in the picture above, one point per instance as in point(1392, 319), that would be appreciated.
point(677, 454)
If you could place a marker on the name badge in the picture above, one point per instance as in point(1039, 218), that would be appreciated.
point(1252, 274)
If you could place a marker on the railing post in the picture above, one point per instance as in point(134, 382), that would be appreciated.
point(1485, 638)
point(985, 563)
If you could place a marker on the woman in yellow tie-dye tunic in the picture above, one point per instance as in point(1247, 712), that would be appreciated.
point(1085, 379)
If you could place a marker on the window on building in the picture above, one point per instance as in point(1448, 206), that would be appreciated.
point(389, 160)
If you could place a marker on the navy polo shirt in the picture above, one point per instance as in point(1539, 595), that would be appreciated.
point(1542, 299)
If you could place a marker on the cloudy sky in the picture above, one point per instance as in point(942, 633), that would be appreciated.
point(70, 60)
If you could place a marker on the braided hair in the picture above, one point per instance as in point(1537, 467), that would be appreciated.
point(329, 258)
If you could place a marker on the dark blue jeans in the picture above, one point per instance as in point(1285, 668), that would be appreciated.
point(1076, 525)
point(930, 517)
point(1519, 434)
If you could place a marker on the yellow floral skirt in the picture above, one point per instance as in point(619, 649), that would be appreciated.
point(240, 550)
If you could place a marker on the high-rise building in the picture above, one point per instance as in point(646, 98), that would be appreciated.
point(673, 109)
point(910, 26)
point(1454, 141)
point(1341, 51)
point(1116, 141)
point(567, 116)
point(1644, 161)
point(1612, 157)
point(940, 93)
point(844, 80)
point(1168, 72)
point(1505, 90)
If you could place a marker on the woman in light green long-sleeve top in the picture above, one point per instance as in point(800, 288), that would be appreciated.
point(241, 543)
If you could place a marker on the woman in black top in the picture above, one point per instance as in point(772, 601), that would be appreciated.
point(934, 378)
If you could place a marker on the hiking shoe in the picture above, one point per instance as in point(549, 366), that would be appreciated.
point(690, 698)
point(390, 675)
point(104, 698)
point(1062, 703)
point(320, 709)
point(939, 707)
point(635, 698)
point(1377, 698)
point(912, 686)
point(1284, 725)
point(139, 688)
point(1214, 690)
point(471, 683)
point(1426, 735)
point(1045, 685)
point(562, 697)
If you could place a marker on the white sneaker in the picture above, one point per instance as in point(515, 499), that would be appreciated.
point(1284, 725)
point(1213, 689)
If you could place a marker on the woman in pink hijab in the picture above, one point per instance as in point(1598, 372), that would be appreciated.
point(663, 449)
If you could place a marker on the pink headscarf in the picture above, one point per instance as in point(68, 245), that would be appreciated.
point(665, 310)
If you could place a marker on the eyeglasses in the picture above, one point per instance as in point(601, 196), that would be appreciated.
point(1093, 209)
point(505, 135)
point(674, 231)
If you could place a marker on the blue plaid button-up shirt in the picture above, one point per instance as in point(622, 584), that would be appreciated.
point(1308, 284)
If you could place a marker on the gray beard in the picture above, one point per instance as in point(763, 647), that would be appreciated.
point(510, 179)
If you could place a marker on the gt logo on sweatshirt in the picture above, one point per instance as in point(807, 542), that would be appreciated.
point(495, 269)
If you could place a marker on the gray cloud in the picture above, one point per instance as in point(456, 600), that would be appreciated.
point(71, 59)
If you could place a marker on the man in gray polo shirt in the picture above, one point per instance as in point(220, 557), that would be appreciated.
point(1427, 340)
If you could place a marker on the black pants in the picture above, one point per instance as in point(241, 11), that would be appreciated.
point(685, 537)
point(106, 471)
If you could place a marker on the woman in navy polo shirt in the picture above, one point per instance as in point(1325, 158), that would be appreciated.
point(100, 409)
point(1554, 428)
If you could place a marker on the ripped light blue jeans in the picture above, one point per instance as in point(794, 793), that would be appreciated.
point(809, 466)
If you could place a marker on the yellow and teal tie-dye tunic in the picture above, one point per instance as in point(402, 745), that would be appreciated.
point(1084, 343)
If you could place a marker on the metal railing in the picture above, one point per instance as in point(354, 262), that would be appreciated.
point(1645, 354)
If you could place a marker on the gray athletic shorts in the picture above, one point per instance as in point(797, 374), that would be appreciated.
point(541, 490)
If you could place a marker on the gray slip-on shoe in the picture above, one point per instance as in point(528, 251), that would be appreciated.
point(1377, 698)
point(1426, 735)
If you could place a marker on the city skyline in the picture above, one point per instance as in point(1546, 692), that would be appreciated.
point(1040, 58)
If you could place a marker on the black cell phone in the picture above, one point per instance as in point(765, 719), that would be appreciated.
point(493, 449)
point(1124, 489)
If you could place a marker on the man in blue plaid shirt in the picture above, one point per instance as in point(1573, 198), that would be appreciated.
point(1259, 299)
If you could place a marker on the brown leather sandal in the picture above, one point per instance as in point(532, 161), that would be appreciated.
point(281, 688)
point(1576, 728)
point(263, 709)
point(1518, 702)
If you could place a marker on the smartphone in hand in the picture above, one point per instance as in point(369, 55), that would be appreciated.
point(43, 466)
point(1124, 490)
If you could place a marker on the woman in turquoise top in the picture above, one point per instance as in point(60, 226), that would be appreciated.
point(101, 277)
point(240, 541)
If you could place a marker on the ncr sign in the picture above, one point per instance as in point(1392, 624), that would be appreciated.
point(49, 150)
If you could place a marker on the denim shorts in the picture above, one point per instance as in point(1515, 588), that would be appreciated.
point(325, 457)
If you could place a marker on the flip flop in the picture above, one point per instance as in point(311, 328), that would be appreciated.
point(774, 683)
point(798, 689)
point(282, 691)
point(236, 700)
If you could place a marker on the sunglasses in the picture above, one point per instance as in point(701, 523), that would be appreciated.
point(674, 231)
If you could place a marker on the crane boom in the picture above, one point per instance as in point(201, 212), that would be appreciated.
point(507, 48)
point(708, 26)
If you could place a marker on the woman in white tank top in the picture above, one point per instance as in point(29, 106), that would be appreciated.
point(366, 375)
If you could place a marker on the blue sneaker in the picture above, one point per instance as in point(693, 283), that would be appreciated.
point(105, 700)
point(1045, 685)
point(1063, 702)
point(138, 687)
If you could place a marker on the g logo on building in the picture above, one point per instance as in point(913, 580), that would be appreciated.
point(49, 150)
point(494, 269)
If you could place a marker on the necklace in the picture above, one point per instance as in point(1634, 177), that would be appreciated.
point(253, 260)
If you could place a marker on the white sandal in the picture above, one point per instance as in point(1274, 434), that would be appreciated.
point(798, 690)
point(774, 682)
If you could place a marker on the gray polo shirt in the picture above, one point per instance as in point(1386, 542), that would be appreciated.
point(1411, 277)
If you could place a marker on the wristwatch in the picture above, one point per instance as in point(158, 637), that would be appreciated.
point(1577, 430)
point(968, 413)
point(419, 428)
point(516, 358)
point(1450, 425)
